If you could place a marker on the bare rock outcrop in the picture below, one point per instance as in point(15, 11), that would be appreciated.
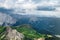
point(13, 34)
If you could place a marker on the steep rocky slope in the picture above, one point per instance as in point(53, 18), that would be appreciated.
point(13, 34)
point(7, 33)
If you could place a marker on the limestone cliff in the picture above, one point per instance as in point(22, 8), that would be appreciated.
point(13, 34)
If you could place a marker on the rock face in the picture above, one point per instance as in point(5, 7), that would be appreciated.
point(12, 34)
point(39, 39)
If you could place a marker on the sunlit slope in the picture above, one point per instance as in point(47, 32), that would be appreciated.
point(2, 32)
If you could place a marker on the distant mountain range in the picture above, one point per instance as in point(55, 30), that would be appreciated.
point(47, 25)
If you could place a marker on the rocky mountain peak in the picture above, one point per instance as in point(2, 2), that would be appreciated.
point(13, 34)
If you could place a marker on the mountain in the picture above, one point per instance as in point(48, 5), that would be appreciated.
point(22, 32)
point(7, 33)
point(13, 34)
point(46, 25)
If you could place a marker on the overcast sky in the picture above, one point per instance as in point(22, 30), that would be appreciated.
point(33, 7)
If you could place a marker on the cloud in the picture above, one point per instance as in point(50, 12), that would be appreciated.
point(43, 13)
point(27, 4)
point(33, 19)
point(45, 8)
point(33, 7)
point(3, 10)
point(16, 3)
